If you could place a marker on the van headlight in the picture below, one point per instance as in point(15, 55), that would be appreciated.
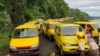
point(34, 47)
point(13, 48)
point(67, 44)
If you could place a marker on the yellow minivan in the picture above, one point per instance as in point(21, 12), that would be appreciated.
point(49, 29)
point(25, 40)
point(66, 39)
point(37, 23)
point(94, 25)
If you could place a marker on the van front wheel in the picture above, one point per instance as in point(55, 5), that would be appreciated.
point(61, 52)
point(51, 38)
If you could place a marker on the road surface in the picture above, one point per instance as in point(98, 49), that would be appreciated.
point(46, 48)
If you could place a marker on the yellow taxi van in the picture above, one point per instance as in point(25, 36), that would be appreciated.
point(37, 23)
point(24, 41)
point(49, 27)
point(94, 25)
point(66, 39)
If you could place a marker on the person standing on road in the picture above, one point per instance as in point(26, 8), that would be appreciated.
point(81, 41)
point(92, 43)
point(89, 27)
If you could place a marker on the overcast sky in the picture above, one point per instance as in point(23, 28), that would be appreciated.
point(92, 7)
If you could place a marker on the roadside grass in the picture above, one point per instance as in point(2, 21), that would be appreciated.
point(4, 40)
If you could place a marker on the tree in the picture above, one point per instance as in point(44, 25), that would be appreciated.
point(16, 11)
point(21, 11)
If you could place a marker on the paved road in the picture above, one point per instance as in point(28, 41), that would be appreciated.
point(46, 47)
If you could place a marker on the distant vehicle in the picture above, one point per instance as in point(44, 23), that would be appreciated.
point(48, 29)
point(25, 40)
point(66, 39)
point(94, 25)
point(37, 23)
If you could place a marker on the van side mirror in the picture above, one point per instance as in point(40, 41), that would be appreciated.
point(9, 36)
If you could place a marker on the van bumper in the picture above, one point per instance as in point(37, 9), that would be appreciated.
point(74, 49)
point(24, 52)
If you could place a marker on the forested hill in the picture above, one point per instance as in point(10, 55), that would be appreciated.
point(16, 12)
point(95, 17)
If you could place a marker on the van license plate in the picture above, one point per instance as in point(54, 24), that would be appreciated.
point(21, 52)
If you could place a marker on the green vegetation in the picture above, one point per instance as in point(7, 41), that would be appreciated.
point(15, 12)
point(4, 26)
point(4, 40)
point(21, 11)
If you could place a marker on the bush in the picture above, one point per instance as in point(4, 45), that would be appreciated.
point(4, 40)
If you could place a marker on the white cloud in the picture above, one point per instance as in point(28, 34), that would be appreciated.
point(92, 7)
point(91, 4)
point(77, 3)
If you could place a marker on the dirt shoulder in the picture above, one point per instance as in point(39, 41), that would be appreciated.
point(4, 52)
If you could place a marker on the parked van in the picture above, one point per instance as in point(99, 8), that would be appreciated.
point(49, 27)
point(94, 25)
point(66, 39)
point(37, 23)
point(25, 40)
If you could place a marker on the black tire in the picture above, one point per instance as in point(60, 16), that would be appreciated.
point(56, 45)
point(61, 52)
point(51, 38)
point(43, 33)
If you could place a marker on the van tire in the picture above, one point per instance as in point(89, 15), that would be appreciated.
point(61, 52)
point(51, 38)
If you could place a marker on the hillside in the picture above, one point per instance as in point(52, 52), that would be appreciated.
point(95, 17)
point(20, 11)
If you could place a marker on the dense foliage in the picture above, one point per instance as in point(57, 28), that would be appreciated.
point(17, 12)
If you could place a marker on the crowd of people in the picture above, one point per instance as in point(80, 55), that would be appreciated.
point(93, 44)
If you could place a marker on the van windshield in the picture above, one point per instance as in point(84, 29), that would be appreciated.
point(69, 30)
point(97, 26)
point(26, 32)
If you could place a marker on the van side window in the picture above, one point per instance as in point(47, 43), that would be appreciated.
point(56, 28)
point(82, 25)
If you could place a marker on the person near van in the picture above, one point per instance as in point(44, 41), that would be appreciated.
point(81, 41)
point(92, 43)
point(90, 28)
